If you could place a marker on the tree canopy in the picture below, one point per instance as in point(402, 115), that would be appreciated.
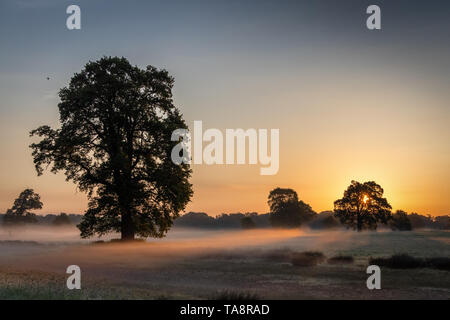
point(19, 213)
point(286, 210)
point(363, 206)
point(114, 142)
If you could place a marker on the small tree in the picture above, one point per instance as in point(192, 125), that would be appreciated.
point(363, 206)
point(419, 221)
point(286, 210)
point(248, 223)
point(442, 222)
point(19, 213)
point(400, 221)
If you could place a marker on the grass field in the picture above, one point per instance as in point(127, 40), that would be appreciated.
point(191, 264)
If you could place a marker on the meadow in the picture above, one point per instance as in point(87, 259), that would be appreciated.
point(199, 264)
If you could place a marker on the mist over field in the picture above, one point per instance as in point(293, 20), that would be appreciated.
point(197, 263)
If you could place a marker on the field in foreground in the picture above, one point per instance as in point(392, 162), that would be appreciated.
point(191, 264)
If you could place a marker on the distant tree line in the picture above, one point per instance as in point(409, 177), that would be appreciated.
point(362, 207)
point(223, 221)
point(19, 214)
point(50, 219)
point(322, 220)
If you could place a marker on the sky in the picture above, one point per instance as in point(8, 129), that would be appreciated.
point(350, 103)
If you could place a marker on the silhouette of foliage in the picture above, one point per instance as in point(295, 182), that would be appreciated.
point(340, 259)
point(405, 261)
point(19, 213)
point(442, 222)
point(247, 223)
point(222, 221)
point(286, 210)
point(441, 263)
point(363, 206)
point(115, 144)
point(61, 220)
point(419, 221)
point(398, 261)
point(400, 221)
point(324, 220)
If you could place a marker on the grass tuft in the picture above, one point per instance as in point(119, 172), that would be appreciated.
point(235, 295)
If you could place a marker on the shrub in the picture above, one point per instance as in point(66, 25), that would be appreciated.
point(307, 258)
point(278, 255)
point(441, 263)
point(341, 260)
point(404, 261)
point(324, 220)
point(248, 223)
point(61, 220)
point(398, 261)
point(400, 221)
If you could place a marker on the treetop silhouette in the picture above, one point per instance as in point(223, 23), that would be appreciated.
point(363, 206)
point(19, 213)
point(286, 210)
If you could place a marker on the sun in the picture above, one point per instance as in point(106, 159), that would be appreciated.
point(365, 199)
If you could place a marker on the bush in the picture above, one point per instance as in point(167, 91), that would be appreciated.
point(404, 261)
point(61, 220)
point(235, 295)
point(278, 255)
point(307, 258)
point(324, 220)
point(341, 260)
point(441, 263)
point(400, 221)
point(248, 223)
point(398, 261)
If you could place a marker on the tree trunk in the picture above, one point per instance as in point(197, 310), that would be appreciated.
point(359, 223)
point(127, 228)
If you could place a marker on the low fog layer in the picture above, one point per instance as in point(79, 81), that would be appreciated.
point(59, 247)
point(53, 249)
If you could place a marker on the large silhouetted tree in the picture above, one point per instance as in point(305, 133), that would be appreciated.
point(286, 210)
point(115, 143)
point(363, 206)
point(19, 213)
